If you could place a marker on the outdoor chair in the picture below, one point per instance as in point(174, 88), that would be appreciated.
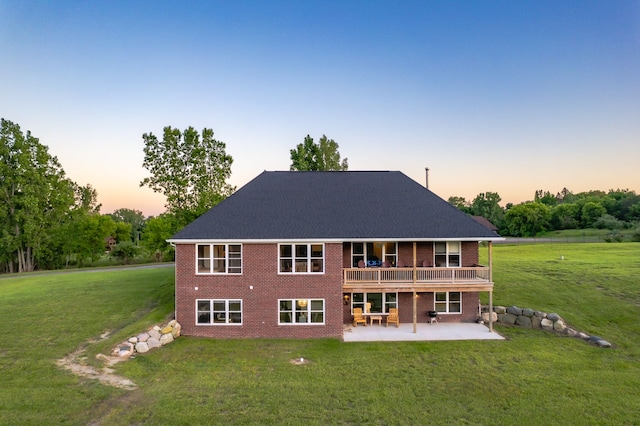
point(358, 317)
point(393, 317)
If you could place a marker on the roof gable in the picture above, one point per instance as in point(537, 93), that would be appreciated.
point(333, 205)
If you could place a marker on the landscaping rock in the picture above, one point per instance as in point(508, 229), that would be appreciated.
point(535, 322)
point(166, 330)
point(142, 347)
point(540, 314)
point(133, 340)
point(546, 324)
point(176, 330)
point(143, 337)
point(523, 321)
point(559, 326)
point(508, 319)
point(166, 338)
point(155, 334)
point(603, 343)
point(500, 310)
point(527, 312)
point(514, 310)
point(553, 317)
point(153, 342)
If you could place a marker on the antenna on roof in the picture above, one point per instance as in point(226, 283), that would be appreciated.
point(426, 170)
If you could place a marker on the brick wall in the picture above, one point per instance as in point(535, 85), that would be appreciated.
point(259, 287)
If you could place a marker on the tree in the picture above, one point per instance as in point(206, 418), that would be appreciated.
point(135, 218)
point(527, 219)
point(125, 251)
point(309, 156)
point(35, 199)
point(191, 171)
point(591, 212)
point(565, 216)
point(487, 205)
point(156, 233)
point(461, 203)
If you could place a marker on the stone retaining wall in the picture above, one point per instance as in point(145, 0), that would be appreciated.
point(153, 338)
point(529, 318)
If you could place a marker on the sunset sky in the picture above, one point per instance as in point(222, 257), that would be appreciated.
point(500, 96)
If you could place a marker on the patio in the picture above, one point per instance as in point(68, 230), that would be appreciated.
point(424, 332)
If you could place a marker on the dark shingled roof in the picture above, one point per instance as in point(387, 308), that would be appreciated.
point(334, 205)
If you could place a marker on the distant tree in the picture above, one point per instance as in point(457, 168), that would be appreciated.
point(487, 205)
point(122, 232)
point(125, 251)
point(606, 221)
point(135, 218)
point(565, 216)
point(191, 171)
point(527, 219)
point(591, 212)
point(156, 233)
point(309, 156)
point(461, 203)
point(545, 197)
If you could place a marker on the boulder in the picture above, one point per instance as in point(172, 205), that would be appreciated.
point(166, 338)
point(603, 343)
point(142, 347)
point(514, 310)
point(155, 334)
point(523, 321)
point(535, 322)
point(559, 325)
point(508, 319)
point(571, 332)
point(172, 323)
point(133, 340)
point(176, 330)
point(527, 312)
point(500, 309)
point(153, 343)
point(166, 330)
point(143, 337)
point(546, 324)
point(553, 317)
point(540, 314)
point(486, 316)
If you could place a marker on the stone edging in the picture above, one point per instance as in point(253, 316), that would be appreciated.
point(529, 318)
point(150, 339)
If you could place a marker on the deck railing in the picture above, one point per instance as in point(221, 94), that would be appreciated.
point(473, 274)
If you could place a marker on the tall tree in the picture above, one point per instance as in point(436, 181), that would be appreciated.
point(35, 198)
point(486, 204)
point(309, 156)
point(135, 218)
point(191, 171)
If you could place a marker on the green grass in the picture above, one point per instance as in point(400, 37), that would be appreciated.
point(532, 376)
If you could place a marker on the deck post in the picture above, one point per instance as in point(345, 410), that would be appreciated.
point(490, 248)
point(415, 295)
point(490, 311)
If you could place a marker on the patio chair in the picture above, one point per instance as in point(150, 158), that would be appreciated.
point(393, 317)
point(358, 317)
point(367, 308)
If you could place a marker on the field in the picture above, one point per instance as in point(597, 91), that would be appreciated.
point(533, 376)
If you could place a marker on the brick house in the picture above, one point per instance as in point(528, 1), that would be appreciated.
point(291, 254)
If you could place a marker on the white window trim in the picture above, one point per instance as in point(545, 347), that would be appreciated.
point(448, 302)
point(308, 259)
point(226, 312)
point(309, 312)
point(211, 259)
point(447, 253)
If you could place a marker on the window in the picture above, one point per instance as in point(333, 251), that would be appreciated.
point(380, 302)
point(301, 311)
point(373, 254)
point(447, 254)
point(219, 258)
point(218, 312)
point(448, 302)
point(301, 258)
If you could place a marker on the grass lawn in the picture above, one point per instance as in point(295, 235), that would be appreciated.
point(533, 376)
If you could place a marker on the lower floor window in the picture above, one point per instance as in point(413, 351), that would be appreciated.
point(218, 311)
point(448, 302)
point(376, 302)
point(301, 311)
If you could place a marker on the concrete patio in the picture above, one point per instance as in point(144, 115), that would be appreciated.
point(424, 332)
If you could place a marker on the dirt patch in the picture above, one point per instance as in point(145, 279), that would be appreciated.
point(74, 363)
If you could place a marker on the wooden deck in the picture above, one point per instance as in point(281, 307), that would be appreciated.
point(475, 278)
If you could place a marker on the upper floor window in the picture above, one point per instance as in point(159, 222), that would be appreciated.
point(447, 254)
point(374, 254)
point(219, 258)
point(301, 258)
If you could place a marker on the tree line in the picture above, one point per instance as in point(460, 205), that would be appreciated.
point(614, 210)
point(48, 221)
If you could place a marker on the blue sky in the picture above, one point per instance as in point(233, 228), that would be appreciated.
point(501, 96)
